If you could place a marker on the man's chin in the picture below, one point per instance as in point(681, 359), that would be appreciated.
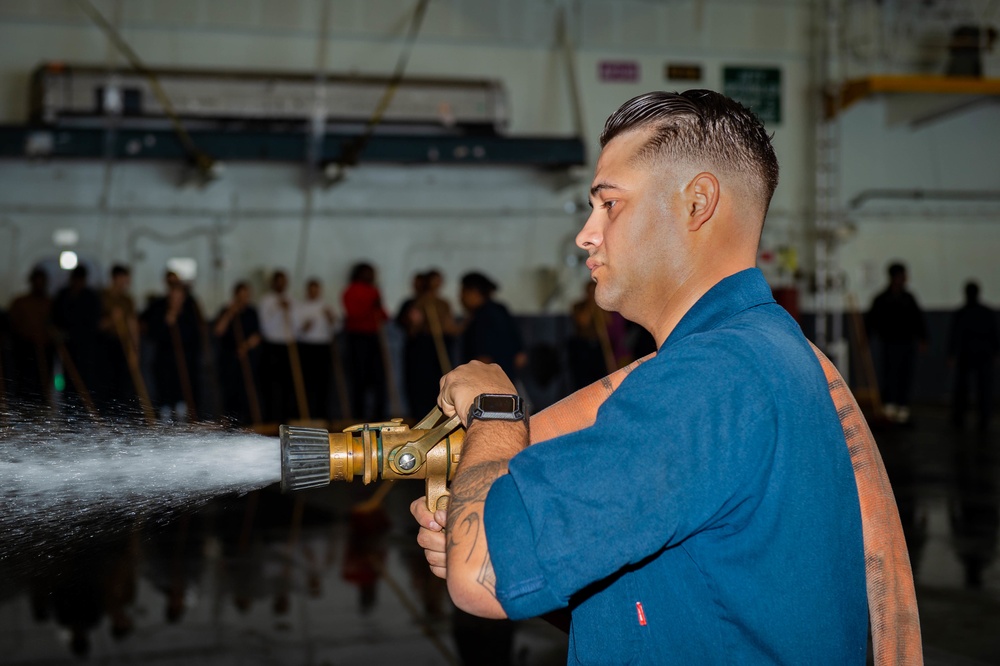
point(606, 298)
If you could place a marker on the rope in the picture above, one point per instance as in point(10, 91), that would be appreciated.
point(201, 159)
point(350, 153)
point(248, 382)
point(182, 371)
point(132, 358)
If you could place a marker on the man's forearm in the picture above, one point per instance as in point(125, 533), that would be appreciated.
point(489, 445)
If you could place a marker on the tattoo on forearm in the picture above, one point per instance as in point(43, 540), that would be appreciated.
point(467, 492)
point(474, 482)
point(463, 531)
point(465, 523)
point(487, 577)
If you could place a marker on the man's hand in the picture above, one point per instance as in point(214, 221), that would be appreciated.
point(431, 536)
point(461, 555)
point(460, 387)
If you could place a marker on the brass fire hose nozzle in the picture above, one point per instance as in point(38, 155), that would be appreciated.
point(312, 457)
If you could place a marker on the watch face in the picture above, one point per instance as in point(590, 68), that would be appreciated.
point(497, 403)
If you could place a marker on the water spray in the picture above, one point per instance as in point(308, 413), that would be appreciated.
point(389, 450)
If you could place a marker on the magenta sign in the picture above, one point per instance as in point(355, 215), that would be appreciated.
point(626, 71)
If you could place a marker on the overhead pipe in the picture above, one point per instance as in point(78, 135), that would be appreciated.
point(865, 196)
point(533, 212)
point(291, 213)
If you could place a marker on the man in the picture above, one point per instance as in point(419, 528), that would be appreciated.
point(314, 320)
point(597, 342)
point(490, 333)
point(32, 342)
point(76, 313)
point(363, 320)
point(277, 331)
point(119, 327)
point(897, 320)
point(175, 333)
point(237, 328)
point(973, 346)
point(710, 514)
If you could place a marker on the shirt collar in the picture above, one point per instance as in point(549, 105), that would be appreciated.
point(736, 293)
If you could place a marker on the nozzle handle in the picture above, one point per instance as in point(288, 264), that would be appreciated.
point(438, 496)
point(419, 448)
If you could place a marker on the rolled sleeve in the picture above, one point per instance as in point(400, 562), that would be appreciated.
point(522, 588)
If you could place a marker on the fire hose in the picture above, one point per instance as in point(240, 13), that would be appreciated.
point(432, 448)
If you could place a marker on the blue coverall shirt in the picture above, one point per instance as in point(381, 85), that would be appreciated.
point(710, 515)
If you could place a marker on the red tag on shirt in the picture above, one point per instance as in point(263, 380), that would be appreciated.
point(642, 614)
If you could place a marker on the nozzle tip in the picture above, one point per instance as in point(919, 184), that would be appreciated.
point(305, 458)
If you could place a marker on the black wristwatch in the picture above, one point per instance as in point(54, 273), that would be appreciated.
point(497, 407)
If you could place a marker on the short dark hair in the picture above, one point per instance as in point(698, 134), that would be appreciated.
point(972, 291)
point(362, 272)
point(701, 125)
point(479, 282)
point(896, 269)
point(119, 269)
point(79, 273)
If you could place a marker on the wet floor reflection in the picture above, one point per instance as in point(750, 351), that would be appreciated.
point(324, 577)
point(947, 486)
point(312, 578)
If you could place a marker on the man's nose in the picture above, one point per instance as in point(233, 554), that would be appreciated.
point(590, 236)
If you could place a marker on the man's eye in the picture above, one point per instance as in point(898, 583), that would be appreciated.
point(610, 204)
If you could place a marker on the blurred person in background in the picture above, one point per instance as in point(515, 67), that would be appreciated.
point(174, 330)
point(363, 320)
point(314, 322)
point(277, 331)
point(897, 321)
point(427, 320)
point(973, 345)
point(119, 327)
point(491, 334)
point(597, 346)
point(76, 313)
point(31, 341)
point(237, 328)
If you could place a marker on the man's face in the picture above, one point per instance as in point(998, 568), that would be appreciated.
point(632, 233)
point(470, 298)
point(176, 296)
point(279, 282)
point(39, 283)
point(313, 291)
point(122, 281)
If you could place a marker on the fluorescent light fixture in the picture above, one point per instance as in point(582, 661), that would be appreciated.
point(68, 260)
point(65, 237)
point(185, 267)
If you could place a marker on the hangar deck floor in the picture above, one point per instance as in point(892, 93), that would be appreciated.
point(236, 583)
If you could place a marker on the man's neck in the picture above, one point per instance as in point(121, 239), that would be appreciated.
point(686, 295)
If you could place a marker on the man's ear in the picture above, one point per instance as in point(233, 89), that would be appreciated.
point(702, 198)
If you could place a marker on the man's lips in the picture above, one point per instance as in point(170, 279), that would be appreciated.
point(593, 264)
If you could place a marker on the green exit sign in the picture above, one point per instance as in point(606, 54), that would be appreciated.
point(757, 88)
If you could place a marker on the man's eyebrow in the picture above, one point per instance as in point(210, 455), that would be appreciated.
point(603, 185)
